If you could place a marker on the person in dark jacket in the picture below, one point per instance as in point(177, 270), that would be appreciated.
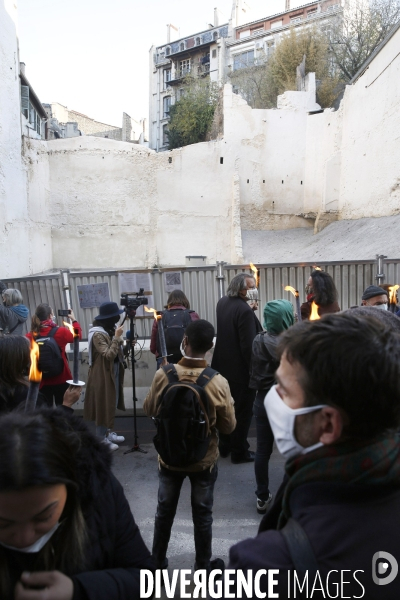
point(334, 414)
point(13, 314)
point(177, 304)
point(322, 291)
point(66, 529)
point(237, 327)
point(278, 316)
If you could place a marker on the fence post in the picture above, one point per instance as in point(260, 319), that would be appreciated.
point(66, 287)
point(220, 278)
point(380, 276)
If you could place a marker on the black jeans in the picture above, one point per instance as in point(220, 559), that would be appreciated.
point(57, 391)
point(202, 498)
point(236, 442)
point(265, 442)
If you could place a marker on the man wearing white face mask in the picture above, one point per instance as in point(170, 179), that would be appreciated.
point(334, 415)
point(375, 296)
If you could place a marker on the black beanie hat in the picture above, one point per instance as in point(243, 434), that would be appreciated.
point(372, 291)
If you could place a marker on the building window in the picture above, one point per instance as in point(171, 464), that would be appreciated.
point(257, 30)
point(295, 19)
point(269, 48)
point(184, 67)
point(166, 106)
point(215, 35)
point(241, 61)
point(167, 77)
point(182, 46)
point(311, 13)
point(167, 51)
point(165, 135)
point(214, 53)
point(198, 41)
point(179, 93)
point(276, 24)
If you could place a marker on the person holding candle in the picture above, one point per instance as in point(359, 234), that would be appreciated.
point(320, 289)
point(66, 529)
point(14, 367)
point(104, 388)
point(43, 324)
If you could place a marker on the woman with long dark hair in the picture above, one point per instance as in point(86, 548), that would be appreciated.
point(43, 326)
point(320, 289)
point(104, 389)
point(66, 530)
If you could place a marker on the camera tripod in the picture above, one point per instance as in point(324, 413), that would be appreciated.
point(131, 313)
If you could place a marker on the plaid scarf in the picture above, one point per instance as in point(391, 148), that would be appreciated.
point(359, 462)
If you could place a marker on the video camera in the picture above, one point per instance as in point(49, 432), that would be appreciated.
point(131, 302)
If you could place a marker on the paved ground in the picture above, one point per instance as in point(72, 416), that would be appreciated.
point(235, 515)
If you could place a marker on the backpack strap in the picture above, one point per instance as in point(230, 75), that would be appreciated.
point(13, 328)
point(52, 332)
point(171, 373)
point(206, 376)
point(300, 549)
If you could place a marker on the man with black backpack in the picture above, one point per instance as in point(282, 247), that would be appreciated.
point(189, 402)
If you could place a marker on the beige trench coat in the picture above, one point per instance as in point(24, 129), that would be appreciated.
point(100, 389)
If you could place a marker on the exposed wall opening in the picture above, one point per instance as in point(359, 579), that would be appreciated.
point(221, 160)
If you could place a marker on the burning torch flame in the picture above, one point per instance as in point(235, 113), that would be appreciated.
point(392, 293)
point(74, 331)
point(289, 288)
point(152, 310)
point(317, 268)
point(314, 312)
point(255, 271)
point(34, 373)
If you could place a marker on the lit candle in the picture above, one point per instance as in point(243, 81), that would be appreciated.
point(35, 377)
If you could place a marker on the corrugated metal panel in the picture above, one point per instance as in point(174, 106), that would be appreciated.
point(200, 286)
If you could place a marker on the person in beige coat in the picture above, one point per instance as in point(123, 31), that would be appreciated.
point(104, 389)
point(197, 340)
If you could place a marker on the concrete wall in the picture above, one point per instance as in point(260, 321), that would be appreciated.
point(25, 245)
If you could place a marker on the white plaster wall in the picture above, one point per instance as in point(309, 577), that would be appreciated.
point(370, 172)
point(19, 253)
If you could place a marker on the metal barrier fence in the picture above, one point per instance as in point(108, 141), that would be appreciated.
point(204, 285)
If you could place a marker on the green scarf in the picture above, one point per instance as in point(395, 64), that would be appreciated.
point(373, 463)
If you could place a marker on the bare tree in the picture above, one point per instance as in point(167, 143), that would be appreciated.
point(355, 33)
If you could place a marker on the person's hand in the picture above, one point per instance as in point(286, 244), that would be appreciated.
point(56, 586)
point(72, 395)
point(119, 331)
point(164, 361)
point(253, 305)
point(71, 316)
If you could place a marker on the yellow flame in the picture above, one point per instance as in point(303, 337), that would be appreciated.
point(289, 288)
point(317, 268)
point(255, 271)
point(314, 312)
point(69, 326)
point(392, 293)
point(152, 310)
point(34, 373)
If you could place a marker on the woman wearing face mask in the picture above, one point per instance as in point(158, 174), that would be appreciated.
point(43, 326)
point(320, 289)
point(104, 389)
point(278, 316)
point(66, 530)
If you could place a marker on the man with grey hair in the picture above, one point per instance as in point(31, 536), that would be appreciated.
point(237, 327)
point(13, 313)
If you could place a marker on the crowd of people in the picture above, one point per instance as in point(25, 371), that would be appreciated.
point(326, 391)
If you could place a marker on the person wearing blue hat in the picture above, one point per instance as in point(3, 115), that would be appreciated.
point(104, 389)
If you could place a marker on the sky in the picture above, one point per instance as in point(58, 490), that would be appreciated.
point(93, 55)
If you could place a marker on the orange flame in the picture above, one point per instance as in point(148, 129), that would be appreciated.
point(72, 329)
point(317, 268)
point(289, 288)
point(152, 310)
point(255, 271)
point(34, 373)
point(314, 312)
point(392, 293)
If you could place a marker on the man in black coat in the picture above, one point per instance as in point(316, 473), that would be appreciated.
point(237, 327)
point(334, 525)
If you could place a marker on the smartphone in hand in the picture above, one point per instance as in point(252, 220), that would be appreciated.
point(64, 313)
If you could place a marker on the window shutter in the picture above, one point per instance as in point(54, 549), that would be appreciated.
point(24, 97)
